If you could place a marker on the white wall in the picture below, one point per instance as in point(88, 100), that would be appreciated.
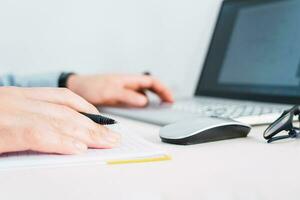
point(167, 37)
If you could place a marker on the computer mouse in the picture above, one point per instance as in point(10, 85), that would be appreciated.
point(203, 129)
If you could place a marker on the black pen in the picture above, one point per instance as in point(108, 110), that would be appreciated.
point(99, 119)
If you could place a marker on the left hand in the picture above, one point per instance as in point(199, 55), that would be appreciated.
point(118, 90)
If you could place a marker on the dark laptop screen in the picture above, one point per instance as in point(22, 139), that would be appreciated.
point(255, 52)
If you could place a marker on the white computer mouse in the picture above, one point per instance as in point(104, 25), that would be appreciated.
point(203, 129)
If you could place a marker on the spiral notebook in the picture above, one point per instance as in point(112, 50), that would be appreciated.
point(133, 149)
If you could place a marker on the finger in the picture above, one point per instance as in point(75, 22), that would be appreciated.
point(70, 122)
point(53, 142)
point(90, 133)
point(140, 82)
point(136, 82)
point(40, 136)
point(74, 124)
point(162, 91)
point(61, 96)
point(10, 142)
point(132, 98)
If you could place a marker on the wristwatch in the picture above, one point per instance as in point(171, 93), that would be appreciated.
point(63, 79)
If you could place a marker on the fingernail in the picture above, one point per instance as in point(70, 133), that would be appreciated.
point(80, 146)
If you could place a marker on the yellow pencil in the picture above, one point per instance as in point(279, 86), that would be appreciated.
point(139, 160)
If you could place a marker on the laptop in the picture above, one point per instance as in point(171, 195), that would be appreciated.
point(251, 72)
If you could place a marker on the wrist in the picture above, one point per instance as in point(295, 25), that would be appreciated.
point(71, 82)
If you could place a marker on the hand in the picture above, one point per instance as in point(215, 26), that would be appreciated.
point(47, 120)
point(118, 90)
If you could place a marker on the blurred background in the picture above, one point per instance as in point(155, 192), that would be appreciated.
point(167, 37)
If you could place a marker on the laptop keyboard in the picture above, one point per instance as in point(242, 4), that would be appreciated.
point(226, 110)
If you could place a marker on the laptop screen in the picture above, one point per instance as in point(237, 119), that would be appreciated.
point(255, 52)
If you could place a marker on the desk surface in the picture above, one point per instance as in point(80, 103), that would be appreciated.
point(245, 168)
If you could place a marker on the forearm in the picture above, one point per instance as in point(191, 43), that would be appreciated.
point(38, 80)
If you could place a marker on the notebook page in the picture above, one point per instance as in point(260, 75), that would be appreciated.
point(132, 147)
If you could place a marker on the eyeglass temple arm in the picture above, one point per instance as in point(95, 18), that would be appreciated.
point(292, 134)
point(278, 138)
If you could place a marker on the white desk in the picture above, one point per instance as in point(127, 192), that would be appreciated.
point(235, 169)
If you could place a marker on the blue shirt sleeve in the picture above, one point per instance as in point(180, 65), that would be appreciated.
point(39, 80)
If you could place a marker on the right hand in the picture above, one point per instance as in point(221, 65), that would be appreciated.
point(48, 120)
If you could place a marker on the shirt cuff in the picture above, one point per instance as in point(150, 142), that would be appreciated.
point(38, 80)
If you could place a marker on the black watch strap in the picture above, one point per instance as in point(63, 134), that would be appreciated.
point(63, 78)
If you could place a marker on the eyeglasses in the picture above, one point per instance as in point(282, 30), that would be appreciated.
point(283, 123)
